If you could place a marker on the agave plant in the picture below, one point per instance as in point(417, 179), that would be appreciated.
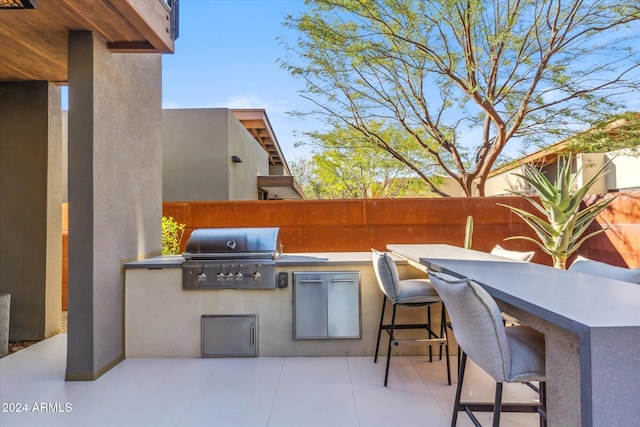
point(563, 230)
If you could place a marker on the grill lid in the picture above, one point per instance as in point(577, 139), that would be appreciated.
point(233, 243)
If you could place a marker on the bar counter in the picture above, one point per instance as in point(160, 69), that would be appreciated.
point(591, 326)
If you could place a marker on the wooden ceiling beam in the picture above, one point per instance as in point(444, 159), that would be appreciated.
point(40, 36)
point(151, 19)
point(131, 47)
point(253, 124)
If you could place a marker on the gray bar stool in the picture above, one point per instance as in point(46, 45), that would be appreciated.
point(601, 269)
point(506, 353)
point(412, 293)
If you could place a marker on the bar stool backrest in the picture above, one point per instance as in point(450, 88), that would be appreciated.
point(601, 269)
point(515, 255)
point(386, 273)
point(476, 322)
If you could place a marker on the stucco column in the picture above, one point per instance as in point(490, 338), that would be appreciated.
point(115, 192)
point(31, 207)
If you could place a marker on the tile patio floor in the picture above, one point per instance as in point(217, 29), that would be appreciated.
point(242, 392)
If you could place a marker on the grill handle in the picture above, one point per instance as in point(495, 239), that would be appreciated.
point(228, 255)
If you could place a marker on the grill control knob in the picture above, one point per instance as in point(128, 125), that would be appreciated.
point(239, 276)
point(202, 277)
point(230, 276)
point(257, 275)
point(220, 276)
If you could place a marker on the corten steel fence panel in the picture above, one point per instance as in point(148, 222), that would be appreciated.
point(359, 225)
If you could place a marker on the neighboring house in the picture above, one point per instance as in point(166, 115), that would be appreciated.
point(622, 172)
point(223, 154)
point(604, 142)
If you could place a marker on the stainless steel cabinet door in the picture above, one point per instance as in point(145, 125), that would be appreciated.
point(343, 305)
point(310, 306)
point(229, 335)
point(326, 305)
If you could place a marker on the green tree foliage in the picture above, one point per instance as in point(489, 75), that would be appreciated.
point(463, 78)
point(344, 165)
point(616, 133)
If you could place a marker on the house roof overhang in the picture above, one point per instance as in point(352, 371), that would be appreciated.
point(550, 154)
point(255, 120)
point(541, 157)
point(280, 187)
point(257, 123)
point(35, 41)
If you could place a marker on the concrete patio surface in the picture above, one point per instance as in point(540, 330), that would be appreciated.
point(240, 392)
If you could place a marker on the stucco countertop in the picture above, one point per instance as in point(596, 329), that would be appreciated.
point(285, 260)
point(157, 262)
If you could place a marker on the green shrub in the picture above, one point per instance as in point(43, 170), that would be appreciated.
point(171, 236)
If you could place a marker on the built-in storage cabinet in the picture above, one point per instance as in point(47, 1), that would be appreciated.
point(230, 335)
point(326, 305)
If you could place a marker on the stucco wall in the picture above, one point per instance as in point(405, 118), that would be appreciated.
point(243, 177)
point(590, 164)
point(501, 184)
point(115, 191)
point(65, 156)
point(624, 171)
point(198, 145)
point(30, 201)
point(195, 154)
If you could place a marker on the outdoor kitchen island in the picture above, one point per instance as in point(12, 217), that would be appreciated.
point(164, 320)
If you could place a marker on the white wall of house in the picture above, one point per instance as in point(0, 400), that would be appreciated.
point(502, 183)
point(197, 148)
point(622, 173)
point(451, 187)
point(590, 164)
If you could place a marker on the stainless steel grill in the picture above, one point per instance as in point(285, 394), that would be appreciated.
point(231, 258)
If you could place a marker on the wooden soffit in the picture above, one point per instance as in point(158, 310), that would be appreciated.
point(257, 123)
point(34, 42)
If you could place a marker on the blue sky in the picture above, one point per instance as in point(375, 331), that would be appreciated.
point(226, 57)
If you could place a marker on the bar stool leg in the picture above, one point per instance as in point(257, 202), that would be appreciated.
point(384, 303)
point(497, 405)
point(443, 334)
point(391, 340)
point(456, 405)
point(429, 331)
point(542, 387)
point(442, 329)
